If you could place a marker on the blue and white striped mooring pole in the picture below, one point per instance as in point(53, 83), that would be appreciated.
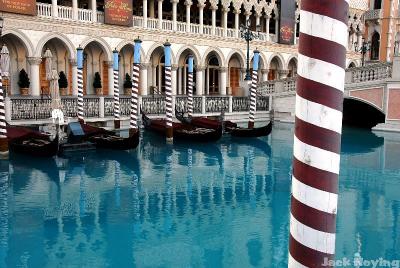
point(168, 91)
point(253, 89)
point(79, 57)
point(190, 86)
point(116, 89)
point(133, 126)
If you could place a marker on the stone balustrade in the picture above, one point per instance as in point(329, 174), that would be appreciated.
point(37, 108)
point(371, 72)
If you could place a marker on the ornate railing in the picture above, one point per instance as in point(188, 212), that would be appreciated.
point(289, 84)
point(266, 88)
point(371, 72)
point(153, 104)
point(36, 108)
point(217, 104)
point(181, 104)
point(374, 14)
point(240, 104)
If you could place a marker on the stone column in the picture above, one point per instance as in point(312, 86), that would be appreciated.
point(247, 14)
point(201, 9)
point(277, 27)
point(144, 13)
point(54, 9)
point(34, 63)
point(179, 89)
point(360, 39)
point(151, 7)
point(222, 80)
point(143, 79)
point(160, 14)
point(267, 19)
point(283, 74)
point(225, 20)
point(174, 14)
point(257, 19)
point(264, 75)
point(74, 74)
point(237, 12)
point(94, 10)
point(199, 80)
point(173, 78)
point(75, 9)
point(213, 18)
point(110, 78)
point(154, 76)
point(188, 4)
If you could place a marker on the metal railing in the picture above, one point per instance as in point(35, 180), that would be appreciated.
point(36, 108)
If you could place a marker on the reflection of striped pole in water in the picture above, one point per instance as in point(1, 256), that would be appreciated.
point(133, 127)
point(168, 91)
point(190, 174)
point(3, 125)
point(117, 184)
point(253, 89)
point(190, 86)
point(116, 89)
point(80, 83)
point(318, 126)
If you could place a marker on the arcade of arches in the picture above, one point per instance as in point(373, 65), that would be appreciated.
point(214, 74)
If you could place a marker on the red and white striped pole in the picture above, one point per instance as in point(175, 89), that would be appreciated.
point(117, 123)
point(133, 127)
point(318, 126)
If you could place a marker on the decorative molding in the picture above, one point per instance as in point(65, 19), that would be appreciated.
point(34, 60)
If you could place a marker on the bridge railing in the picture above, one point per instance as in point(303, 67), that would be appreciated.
point(38, 108)
point(368, 73)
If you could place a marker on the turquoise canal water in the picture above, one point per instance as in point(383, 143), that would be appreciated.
point(215, 205)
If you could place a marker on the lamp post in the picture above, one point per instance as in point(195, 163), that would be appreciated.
point(365, 47)
point(249, 35)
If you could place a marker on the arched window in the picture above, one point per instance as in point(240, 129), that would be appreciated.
point(378, 4)
point(375, 43)
point(213, 75)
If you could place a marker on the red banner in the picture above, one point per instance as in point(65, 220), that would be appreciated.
point(118, 12)
point(26, 7)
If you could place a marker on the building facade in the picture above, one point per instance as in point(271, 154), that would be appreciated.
point(209, 30)
point(382, 29)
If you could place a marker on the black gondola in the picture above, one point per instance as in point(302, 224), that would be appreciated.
point(35, 146)
point(103, 138)
point(205, 122)
point(182, 132)
point(252, 132)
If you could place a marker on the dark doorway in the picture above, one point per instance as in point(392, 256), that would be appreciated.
point(375, 44)
point(357, 113)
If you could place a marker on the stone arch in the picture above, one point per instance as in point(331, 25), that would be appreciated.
point(292, 65)
point(122, 44)
point(218, 53)
point(23, 38)
point(279, 58)
point(68, 44)
point(352, 64)
point(361, 113)
point(234, 52)
point(195, 53)
point(153, 48)
point(103, 44)
point(20, 49)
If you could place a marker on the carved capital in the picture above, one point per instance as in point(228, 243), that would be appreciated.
point(34, 60)
point(188, 3)
point(200, 68)
point(264, 71)
point(174, 67)
point(223, 69)
point(109, 63)
point(145, 65)
point(283, 72)
point(73, 62)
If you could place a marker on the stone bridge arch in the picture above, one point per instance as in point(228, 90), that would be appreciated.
point(361, 113)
